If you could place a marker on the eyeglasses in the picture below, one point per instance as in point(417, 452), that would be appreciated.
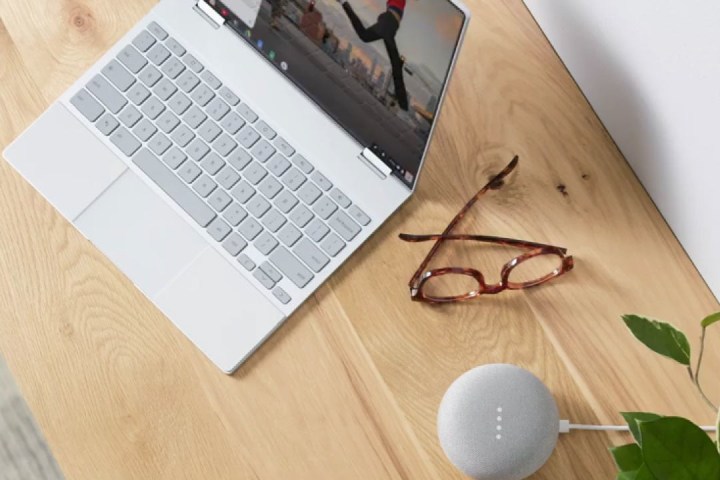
point(447, 285)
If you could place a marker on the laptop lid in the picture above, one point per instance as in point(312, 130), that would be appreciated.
point(379, 68)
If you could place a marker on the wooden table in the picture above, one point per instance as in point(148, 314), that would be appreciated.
point(349, 388)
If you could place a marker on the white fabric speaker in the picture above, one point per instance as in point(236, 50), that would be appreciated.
point(498, 422)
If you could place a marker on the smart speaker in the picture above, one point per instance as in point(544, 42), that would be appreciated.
point(498, 422)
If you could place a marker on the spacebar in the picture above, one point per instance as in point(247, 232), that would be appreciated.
point(174, 187)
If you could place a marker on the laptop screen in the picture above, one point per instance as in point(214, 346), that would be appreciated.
point(377, 67)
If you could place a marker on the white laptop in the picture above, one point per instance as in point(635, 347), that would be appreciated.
point(229, 157)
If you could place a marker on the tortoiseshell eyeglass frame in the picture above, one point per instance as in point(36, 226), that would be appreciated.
point(420, 277)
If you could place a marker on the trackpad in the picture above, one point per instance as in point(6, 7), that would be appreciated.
point(219, 310)
point(147, 240)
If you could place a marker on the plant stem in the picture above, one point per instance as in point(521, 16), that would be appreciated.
point(696, 377)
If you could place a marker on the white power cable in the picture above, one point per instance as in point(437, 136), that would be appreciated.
point(566, 426)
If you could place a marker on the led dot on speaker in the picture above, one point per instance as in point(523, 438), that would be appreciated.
point(499, 419)
point(499, 427)
point(499, 409)
point(498, 436)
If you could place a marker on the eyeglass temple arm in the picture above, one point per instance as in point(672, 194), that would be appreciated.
point(494, 182)
point(478, 238)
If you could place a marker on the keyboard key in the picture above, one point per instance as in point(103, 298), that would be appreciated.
point(265, 130)
point(247, 113)
point(217, 109)
point(211, 80)
point(274, 220)
point(282, 295)
point(258, 206)
point(266, 243)
point(224, 145)
point(150, 76)
point(232, 123)
point(87, 105)
point(130, 116)
point(158, 31)
point(187, 81)
point(153, 108)
point(144, 41)
point(228, 95)
point(247, 137)
point(174, 188)
point(271, 272)
point(289, 235)
point(317, 230)
point(270, 187)
point(278, 165)
point(118, 75)
point(309, 193)
point(340, 198)
point(324, 208)
point(294, 179)
point(212, 163)
point(159, 144)
point(125, 141)
point(332, 245)
point(219, 230)
point(132, 59)
point(235, 214)
point(219, 200)
point(246, 262)
point(239, 159)
point(174, 158)
point(234, 244)
point(158, 54)
point(286, 201)
point(228, 177)
point(107, 124)
point(250, 228)
point(189, 172)
point(264, 280)
point(175, 47)
point(291, 267)
point(204, 186)
point(344, 225)
point(107, 94)
point(165, 89)
point(168, 122)
point(359, 216)
point(144, 130)
point(243, 192)
point(263, 151)
point(304, 166)
point(197, 150)
point(138, 94)
point(311, 255)
point(182, 136)
point(194, 117)
point(255, 173)
point(321, 181)
point(193, 63)
point(284, 147)
point(179, 103)
point(301, 216)
point(209, 131)
point(202, 95)
point(173, 68)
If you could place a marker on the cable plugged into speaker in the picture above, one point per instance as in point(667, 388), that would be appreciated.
point(566, 427)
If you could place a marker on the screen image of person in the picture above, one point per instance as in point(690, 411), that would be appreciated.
point(377, 67)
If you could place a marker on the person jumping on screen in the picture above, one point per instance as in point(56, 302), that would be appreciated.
point(385, 29)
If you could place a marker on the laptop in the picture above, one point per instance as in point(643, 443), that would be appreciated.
point(228, 157)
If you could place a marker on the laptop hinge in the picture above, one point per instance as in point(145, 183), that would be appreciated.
point(208, 13)
point(374, 162)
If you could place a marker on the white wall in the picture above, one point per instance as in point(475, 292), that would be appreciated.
point(651, 69)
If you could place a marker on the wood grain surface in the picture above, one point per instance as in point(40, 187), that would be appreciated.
point(349, 388)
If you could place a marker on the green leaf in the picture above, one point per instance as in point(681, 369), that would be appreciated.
point(676, 449)
point(632, 419)
point(641, 474)
point(714, 318)
point(660, 337)
point(628, 457)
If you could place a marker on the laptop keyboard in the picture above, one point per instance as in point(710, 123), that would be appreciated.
point(223, 165)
